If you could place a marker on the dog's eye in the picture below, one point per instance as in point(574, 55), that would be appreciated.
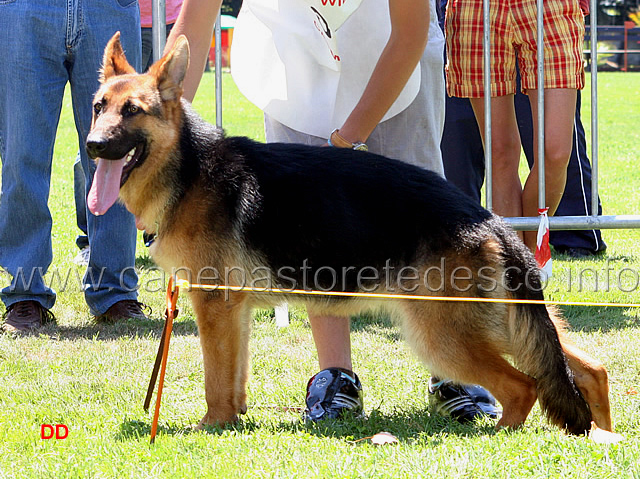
point(133, 109)
point(97, 108)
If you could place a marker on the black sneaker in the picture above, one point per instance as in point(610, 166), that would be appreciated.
point(331, 393)
point(463, 403)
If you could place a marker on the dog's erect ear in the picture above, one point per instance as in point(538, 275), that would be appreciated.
point(114, 62)
point(171, 69)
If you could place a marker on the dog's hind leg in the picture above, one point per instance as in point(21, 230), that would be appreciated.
point(458, 342)
point(224, 335)
point(515, 391)
point(592, 380)
point(589, 374)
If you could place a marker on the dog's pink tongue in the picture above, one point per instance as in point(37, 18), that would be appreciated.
point(106, 186)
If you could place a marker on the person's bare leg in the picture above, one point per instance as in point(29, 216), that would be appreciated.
point(560, 107)
point(331, 337)
point(336, 389)
point(505, 153)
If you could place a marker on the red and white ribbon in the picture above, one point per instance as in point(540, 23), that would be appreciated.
point(543, 250)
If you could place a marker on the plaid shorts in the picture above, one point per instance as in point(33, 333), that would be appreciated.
point(513, 33)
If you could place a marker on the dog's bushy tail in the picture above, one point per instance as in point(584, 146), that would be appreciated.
point(537, 350)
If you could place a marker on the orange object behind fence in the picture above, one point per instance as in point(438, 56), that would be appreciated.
point(226, 36)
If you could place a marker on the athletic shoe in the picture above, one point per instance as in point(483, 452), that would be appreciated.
point(463, 403)
point(331, 393)
point(82, 258)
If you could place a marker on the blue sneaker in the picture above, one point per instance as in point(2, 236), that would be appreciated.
point(331, 393)
point(461, 402)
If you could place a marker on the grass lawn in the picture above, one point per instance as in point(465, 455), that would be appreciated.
point(92, 378)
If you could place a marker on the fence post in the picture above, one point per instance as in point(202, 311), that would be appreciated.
point(488, 158)
point(593, 17)
point(158, 27)
point(542, 196)
point(217, 33)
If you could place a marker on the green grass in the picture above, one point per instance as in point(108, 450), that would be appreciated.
point(93, 378)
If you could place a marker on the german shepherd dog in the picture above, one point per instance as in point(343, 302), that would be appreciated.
point(292, 216)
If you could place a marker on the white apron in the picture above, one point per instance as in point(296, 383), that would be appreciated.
point(306, 63)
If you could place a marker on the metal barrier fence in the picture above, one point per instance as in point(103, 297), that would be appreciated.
point(587, 222)
point(593, 221)
point(159, 16)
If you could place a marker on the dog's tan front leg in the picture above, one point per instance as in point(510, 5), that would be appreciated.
point(224, 335)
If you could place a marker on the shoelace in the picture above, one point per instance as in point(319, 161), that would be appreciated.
point(134, 307)
point(24, 309)
point(437, 385)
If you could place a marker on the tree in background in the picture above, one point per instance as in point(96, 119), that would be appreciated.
point(616, 12)
point(231, 7)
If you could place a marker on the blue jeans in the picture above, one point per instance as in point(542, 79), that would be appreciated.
point(43, 45)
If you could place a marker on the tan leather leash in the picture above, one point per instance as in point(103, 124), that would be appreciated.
point(163, 352)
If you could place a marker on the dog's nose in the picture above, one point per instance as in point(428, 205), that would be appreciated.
point(95, 146)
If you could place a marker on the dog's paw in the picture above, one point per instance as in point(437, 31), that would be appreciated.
point(213, 420)
point(601, 436)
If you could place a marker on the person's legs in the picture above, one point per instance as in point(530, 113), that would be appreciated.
point(425, 118)
point(331, 337)
point(563, 76)
point(461, 146)
point(576, 198)
point(335, 388)
point(505, 153)
point(560, 105)
point(32, 81)
point(147, 60)
point(111, 276)
point(147, 46)
point(330, 333)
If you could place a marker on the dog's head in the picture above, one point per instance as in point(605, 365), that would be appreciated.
point(131, 114)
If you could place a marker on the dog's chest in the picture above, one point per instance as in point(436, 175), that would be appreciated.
point(168, 258)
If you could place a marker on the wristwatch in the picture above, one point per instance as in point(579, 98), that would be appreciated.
point(335, 139)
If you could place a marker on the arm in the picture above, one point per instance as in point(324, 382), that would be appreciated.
point(196, 21)
point(408, 39)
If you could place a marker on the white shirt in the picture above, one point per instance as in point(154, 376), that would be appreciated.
point(306, 63)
